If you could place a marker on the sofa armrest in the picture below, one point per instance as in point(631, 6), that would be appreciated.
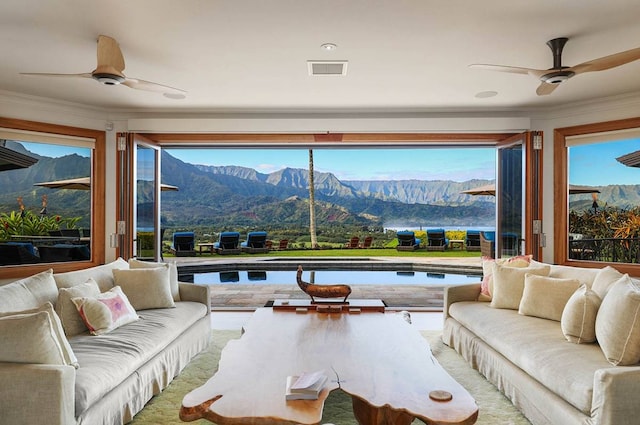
point(457, 293)
point(196, 293)
point(37, 394)
point(615, 395)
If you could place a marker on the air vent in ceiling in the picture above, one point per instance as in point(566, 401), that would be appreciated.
point(327, 68)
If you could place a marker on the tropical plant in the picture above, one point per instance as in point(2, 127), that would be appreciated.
point(25, 222)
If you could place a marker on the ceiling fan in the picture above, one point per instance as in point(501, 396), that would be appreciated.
point(109, 71)
point(551, 78)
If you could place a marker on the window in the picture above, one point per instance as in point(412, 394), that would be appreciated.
point(47, 214)
point(597, 207)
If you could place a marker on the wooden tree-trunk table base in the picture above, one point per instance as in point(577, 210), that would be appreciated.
point(377, 358)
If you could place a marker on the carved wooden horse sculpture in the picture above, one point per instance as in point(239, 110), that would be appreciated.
point(322, 291)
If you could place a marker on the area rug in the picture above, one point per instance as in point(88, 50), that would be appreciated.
point(494, 407)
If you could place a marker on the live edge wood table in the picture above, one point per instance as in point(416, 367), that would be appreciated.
point(377, 358)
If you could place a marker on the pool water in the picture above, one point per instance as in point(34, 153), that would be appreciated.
point(350, 277)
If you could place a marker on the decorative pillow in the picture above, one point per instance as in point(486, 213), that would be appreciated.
point(578, 321)
point(67, 352)
point(603, 281)
point(618, 323)
point(29, 338)
point(546, 297)
point(106, 312)
point(101, 274)
point(487, 272)
point(173, 273)
point(71, 320)
point(28, 293)
point(508, 284)
point(146, 288)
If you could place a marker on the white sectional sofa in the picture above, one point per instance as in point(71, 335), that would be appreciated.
point(540, 352)
point(105, 377)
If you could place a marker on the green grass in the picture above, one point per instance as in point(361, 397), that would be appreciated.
point(376, 252)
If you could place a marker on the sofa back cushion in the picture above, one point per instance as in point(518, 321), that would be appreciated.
point(508, 284)
point(28, 293)
point(583, 274)
point(604, 279)
point(173, 273)
point(103, 275)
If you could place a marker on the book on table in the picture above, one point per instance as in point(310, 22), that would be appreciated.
point(306, 386)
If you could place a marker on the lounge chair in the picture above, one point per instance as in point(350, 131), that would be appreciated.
point(487, 244)
point(367, 242)
point(14, 253)
point(282, 245)
point(472, 240)
point(353, 242)
point(407, 241)
point(184, 244)
point(436, 240)
point(229, 243)
point(256, 243)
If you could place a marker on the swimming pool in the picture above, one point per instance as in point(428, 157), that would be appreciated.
point(350, 277)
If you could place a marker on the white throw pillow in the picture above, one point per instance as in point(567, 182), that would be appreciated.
point(29, 338)
point(71, 320)
point(100, 274)
point(618, 323)
point(604, 279)
point(173, 273)
point(508, 284)
point(146, 288)
point(578, 321)
point(546, 297)
point(28, 293)
point(106, 312)
point(67, 352)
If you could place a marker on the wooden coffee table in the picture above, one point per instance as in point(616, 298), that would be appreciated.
point(377, 358)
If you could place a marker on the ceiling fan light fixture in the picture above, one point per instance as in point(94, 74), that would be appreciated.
point(557, 77)
point(108, 79)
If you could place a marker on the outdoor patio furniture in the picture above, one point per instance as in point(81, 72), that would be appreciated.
point(282, 245)
point(436, 240)
point(14, 253)
point(407, 241)
point(229, 243)
point(64, 252)
point(184, 244)
point(256, 243)
point(367, 242)
point(487, 244)
point(472, 240)
point(353, 242)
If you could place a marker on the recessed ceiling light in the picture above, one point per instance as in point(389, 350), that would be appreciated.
point(486, 94)
point(177, 96)
point(328, 46)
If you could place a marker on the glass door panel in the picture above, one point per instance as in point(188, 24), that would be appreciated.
point(510, 201)
point(147, 202)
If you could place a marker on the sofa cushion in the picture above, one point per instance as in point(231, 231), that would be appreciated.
point(30, 338)
point(546, 297)
point(538, 347)
point(146, 288)
point(101, 274)
point(106, 312)
point(605, 278)
point(173, 273)
point(618, 323)
point(508, 284)
point(67, 352)
point(486, 287)
point(109, 359)
point(66, 309)
point(578, 321)
point(28, 293)
point(583, 274)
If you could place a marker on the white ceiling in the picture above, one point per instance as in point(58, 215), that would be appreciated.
point(251, 55)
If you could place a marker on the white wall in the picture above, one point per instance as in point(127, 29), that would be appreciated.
point(46, 110)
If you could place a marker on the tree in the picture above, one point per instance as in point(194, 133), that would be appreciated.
point(312, 204)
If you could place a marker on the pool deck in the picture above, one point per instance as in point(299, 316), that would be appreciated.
point(249, 297)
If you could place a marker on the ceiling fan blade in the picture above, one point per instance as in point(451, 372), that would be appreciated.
point(545, 88)
point(607, 62)
point(137, 84)
point(510, 69)
point(109, 55)
point(45, 74)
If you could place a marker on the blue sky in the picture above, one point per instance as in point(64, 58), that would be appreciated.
point(358, 164)
point(55, 151)
point(596, 165)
